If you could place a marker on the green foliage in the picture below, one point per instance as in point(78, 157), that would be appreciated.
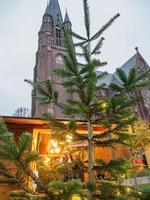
point(117, 169)
point(144, 191)
point(131, 82)
point(45, 93)
point(18, 195)
point(21, 195)
point(24, 143)
point(55, 171)
point(114, 114)
point(141, 137)
point(65, 190)
point(32, 157)
point(17, 154)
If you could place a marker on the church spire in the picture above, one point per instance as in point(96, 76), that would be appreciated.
point(67, 19)
point(53, 9)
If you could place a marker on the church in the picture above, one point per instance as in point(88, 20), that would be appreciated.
point(48, 57)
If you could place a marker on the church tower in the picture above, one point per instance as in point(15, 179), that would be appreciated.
point(49, 56)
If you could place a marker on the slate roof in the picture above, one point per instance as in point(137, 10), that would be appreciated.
point(67, 19)
point(112, 78)
point(131, 63)
point(53, 9)
point(107, 80)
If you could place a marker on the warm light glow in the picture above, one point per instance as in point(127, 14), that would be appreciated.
point(47, 160)
point(104, 105)
point(140, 193)
point(52, 151)
point(118, 193)
point(54, 143)
point(75, 197)
point(128, 189)
point(123, 176)
point(57, 150)
point(61, 143)
point(69, 137)
point(68, 140)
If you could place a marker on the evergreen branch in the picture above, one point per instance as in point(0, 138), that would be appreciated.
point(97, 52)
point(3, 127)
point(77, 36)
point(116, 87)
point(132, 76)
point(24, 143)
point(12, 179)
point(83, 70)
point(41, 90)
point(70, 48)
point(4, 171)
point(94, 37)
point(80, 54)
point(37, 181)
point(98, 46)
point(86, 53)
point(54, 123)
point(108, 143)
point(61, 128)
point(102, 75)
point(8, 149)
point(69, 65)
point(48, 85)
point(87, 18)
point(29, 81)
point(64, 73)
point(79, 44)
point(81, 64)
point(122, 76)
point(31, 157)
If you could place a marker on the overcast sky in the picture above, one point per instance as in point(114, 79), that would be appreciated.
point(20, 21)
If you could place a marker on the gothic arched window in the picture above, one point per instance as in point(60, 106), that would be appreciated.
point(58, 36)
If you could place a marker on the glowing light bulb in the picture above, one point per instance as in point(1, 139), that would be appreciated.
point(118, 193)
point(57, 150)
point(47, 160)
point(128, 189)
point(104, 105)
point(52, 151)
point(61, 143)
point(54, 143)
point(140, 193)
point(69, 137)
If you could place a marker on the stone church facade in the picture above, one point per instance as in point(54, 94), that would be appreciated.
point(48, 57)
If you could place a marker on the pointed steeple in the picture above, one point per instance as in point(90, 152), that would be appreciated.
point(67, 19)
point(53, 9)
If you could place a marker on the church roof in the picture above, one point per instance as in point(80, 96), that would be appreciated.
point(107, 80)
point(113, 78)
point(67, 19)
point(126, 68)
point(130, 63)
point(53, 9)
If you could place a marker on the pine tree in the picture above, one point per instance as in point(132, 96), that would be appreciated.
point(18, 154)
point(82, 80)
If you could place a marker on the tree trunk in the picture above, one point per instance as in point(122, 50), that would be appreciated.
point(91, 152)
